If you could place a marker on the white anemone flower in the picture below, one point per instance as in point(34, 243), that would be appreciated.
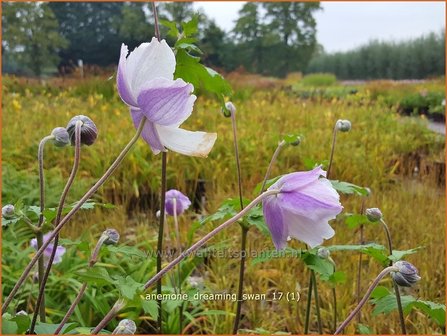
point(145, 81)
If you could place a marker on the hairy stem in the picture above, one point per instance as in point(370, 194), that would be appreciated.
point(39, 234)
point(40, 299)
point(73, 211)
point(396, 287)
point(365, 298)
point(192, 250)
point(331, 158)
point(179, 268)
point(359, 268)
point(272, 161)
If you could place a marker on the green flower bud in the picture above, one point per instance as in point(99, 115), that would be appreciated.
point(373, 214)
point(343, 125)
point(61, 137)
point(89, 132)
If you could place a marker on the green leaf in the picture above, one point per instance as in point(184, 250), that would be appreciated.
point(376, 251)
point(435, 310)
point(190, 28)
point(129, 287)
point(191, 70)
point(398, 255)
point(349, 188)
point(128, 251)
point(172, 28)
point(322, 266)
point(49, 329)
point(95, 275)
point(9, 327)
point(151, 308)
point(388, 303)
point(335, 278)
point(22, 322)
point(380, 292)
point(353, 221)
point(364, 330)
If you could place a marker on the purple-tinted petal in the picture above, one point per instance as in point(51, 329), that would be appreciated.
point(147, 62)
point(166, 102)
point(33, 243)
point(297, 180)
point(182, 202)
point(60, 251)
point(308, 230)
point(275, 221)
point(186, 142)
point(150, 133)
point(122, 81)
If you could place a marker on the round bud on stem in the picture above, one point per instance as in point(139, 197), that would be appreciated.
point(323, 253)
point(89, 132)
point(125, 327)
point(373, 214)
point(61, 137)
point(8, 211)
point(229, 109)
point(407, 275)
point(112, 237)
point(343, 125)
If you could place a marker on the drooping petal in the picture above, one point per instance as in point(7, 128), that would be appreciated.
point(275, 221)
point(297, 180)
point(122, 79)
point(186, 142)
point(310, 231)
point(147, 62)
point(166, 102)
point(322, 190)
point(149, 133)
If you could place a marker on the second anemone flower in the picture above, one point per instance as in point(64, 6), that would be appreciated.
point(305, 203)
point(177, 199)
point(145, 81)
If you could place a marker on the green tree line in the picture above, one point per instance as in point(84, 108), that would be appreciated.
point(269, 38)
point(417, 58)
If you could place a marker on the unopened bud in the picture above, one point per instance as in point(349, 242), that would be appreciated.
point(112, 237)
point(8, 211)
point(229, 109)
point(61, 137)
point(89, 132)
point(373, 214)
point(407, 275)
point(343, 125)
point(125, 327)
point(323, 253)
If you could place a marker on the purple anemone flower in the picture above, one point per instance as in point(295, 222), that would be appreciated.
point(60, 251)
point(302, 208)
point(182, 202)
point(145, 81)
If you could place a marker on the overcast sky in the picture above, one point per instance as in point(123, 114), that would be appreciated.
point(345, 25)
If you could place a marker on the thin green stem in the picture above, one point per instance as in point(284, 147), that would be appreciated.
point(192, 249)
point(39, 234)
point(365, 298)
point(244, 229)
point(395, 286)
point(359, 267)
point(40, 303)
point(308, 305)
point(73, 211)
point(241, 278)
point(317, 303)
point(161, 236)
